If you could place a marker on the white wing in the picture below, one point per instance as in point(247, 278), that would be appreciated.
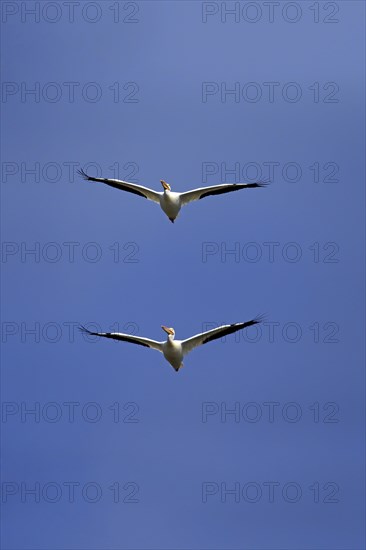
point(126, 186)
point(220, 332)
point(126, 338)
point(203, 192)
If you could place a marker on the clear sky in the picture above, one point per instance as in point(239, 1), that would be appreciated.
point(122, 452)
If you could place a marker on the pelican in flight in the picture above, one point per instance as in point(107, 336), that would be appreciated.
point(175, 350)
point(169, 201)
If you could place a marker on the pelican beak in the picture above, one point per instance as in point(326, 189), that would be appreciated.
point(165, 185)
point(167, 330)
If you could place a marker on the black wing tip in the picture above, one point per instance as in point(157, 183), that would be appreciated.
point(83, 174)
point(259, 184)
point(84, 330)
point(259, 318)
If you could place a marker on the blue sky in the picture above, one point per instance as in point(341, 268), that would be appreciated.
point(105, 257)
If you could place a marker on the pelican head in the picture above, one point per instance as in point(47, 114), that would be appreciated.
point(165, 185)
point(169, 331)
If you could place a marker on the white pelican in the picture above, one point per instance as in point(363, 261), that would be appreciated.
point(171, 202)
point(175, 350)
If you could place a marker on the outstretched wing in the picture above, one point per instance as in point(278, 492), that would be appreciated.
point(126, 338)
point(215, 333)
point(203, 192)
point(125, 186)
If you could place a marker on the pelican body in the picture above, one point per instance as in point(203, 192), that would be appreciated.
point(171, 202)
point(175, 350)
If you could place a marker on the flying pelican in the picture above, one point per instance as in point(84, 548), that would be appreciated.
point(175, 350)
point(171, 202)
